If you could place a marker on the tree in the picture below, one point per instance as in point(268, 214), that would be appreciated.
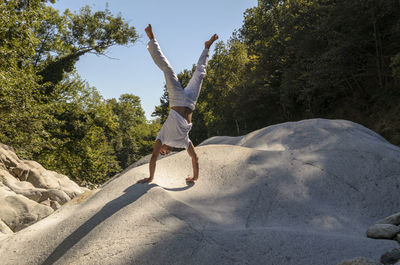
point(135, 135)
point(46, 112)
point(298, 59)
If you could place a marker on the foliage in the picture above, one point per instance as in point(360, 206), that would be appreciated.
point(135, 135)
point(47, 112)
point(297, 59)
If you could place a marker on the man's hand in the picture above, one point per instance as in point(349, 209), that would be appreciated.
point(145, 180)
point(191, 180)
point(149, 32)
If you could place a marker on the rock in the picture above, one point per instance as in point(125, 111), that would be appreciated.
point(391, 257)
point(19, 172)
point(55, 205)
point(4, 228)
point(359, 261)
point(21, 187)
point(393, 219)
point(55, 195)
point(142, 161)
point(42, 179)
point(68, 186)
point(383, 231)
point(398, 238)
point(29, 192)
point(46, 202)
point(8, 156)
point(304, 205)
point(18, 212)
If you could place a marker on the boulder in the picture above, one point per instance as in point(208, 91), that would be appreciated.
point(55, 195)
point(383, 231)
point(4, 228)
point(55, 205)
point(18, 212)
point(21, 187)
point(298, 193)
point(29, 192)
point(394, 219)
point(391, 257)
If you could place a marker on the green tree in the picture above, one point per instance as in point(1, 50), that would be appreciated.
point(135, 135)
point(79, 137)
point(297, 59)
point(46, 112)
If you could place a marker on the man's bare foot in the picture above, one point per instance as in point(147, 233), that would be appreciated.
point(208, 43)
point(191, 180)
point(149, 32)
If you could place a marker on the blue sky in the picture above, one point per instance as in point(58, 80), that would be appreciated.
point(180, 26)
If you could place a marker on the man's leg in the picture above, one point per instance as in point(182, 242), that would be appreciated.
point(171, 79)
point(192, 90)
point(159, 59)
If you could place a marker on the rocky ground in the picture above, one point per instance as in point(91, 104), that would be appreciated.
point(29, 192)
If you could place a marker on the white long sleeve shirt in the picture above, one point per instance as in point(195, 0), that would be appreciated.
point(175, 131)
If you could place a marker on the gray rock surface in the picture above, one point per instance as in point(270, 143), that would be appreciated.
point(29, 192)
point(383, 231)
point(393, 219)
point(300, 193)
point(391, 257)
point(359, 261)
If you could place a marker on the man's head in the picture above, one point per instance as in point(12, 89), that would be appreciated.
point(165, 149)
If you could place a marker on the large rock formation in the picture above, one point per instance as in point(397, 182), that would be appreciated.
point(294, 193)
point(29, 192)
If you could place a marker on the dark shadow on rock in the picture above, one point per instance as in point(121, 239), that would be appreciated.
point(131, 194)
point(177, 189)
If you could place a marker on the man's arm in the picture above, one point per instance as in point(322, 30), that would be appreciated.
point(153, 161)
point(195, 163)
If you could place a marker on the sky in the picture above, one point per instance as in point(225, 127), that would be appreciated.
point(181, 28)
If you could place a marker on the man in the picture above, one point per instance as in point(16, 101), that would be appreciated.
point(175, 130)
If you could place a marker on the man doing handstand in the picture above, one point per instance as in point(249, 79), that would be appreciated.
point(175, 130)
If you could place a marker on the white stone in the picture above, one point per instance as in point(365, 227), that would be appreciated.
point(4, 228)
point(55, 195)
point(18, 212)
point(295, 193)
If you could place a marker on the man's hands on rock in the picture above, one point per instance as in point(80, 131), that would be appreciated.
point(145, 180)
